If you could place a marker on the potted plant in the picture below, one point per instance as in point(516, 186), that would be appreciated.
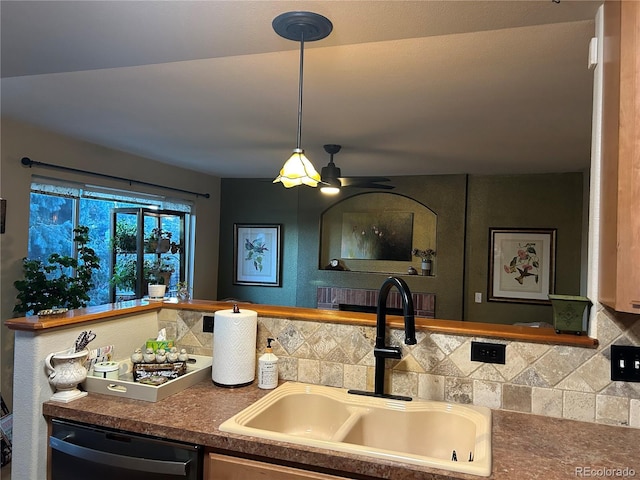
point(159, 277)
point(183, 293)
point(125, 237)
point(60, 282)
point(159, 241)
point(159, 271)
point(426, 256)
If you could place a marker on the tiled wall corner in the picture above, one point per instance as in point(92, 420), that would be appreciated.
point(551, 380)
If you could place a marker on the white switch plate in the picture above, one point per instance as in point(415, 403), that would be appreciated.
point(478, 297)
point(593, 53)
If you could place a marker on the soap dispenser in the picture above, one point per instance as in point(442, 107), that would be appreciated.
point(268, 368)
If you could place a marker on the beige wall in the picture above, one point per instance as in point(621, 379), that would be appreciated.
point(20, 140)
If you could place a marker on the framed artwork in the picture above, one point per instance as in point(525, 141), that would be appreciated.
point(256, 254)
point(3, 214)
point(377, 235)
point(522, 264)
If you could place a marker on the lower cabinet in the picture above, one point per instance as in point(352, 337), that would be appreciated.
point(224, 467)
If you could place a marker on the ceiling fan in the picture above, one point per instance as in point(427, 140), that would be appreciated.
point(332, 181)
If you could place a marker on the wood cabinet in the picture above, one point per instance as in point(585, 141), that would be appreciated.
point(619, 286)
point(224, 467)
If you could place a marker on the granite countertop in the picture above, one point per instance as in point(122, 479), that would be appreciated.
point(524, 446)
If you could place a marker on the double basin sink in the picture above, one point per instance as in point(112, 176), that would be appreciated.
point(427, 433)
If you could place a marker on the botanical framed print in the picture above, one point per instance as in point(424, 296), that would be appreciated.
point(522, 264)
point(256, 254)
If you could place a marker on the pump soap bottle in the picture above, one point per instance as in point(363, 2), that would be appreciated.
point(268, 368)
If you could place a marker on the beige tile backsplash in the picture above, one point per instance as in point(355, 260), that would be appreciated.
point(556, 381)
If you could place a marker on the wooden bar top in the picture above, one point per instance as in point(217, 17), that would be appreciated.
point(37, 324)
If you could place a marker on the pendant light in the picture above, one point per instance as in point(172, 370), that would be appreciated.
point(301, 27)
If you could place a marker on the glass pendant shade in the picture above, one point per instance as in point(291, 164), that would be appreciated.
point(301, 27)
point(298, 170)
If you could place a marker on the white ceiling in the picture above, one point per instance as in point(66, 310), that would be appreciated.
point(407, 87)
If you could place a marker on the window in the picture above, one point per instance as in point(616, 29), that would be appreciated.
point(56, 208)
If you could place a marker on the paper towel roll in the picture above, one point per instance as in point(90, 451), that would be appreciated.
point(234, 348)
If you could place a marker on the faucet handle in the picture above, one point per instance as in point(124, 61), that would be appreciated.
point(387, 352)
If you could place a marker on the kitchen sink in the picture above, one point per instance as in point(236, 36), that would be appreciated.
point(441, 435)
point(301, 414)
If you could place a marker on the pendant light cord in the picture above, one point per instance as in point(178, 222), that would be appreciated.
point(299, 136)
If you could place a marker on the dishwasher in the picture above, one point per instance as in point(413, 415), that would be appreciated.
point(81, 451)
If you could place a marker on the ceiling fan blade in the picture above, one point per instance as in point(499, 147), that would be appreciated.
point(349, 181)
point(365, 182)
point(381, 186)
point(331, 175)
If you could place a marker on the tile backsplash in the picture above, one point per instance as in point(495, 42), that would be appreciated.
point(550, 380)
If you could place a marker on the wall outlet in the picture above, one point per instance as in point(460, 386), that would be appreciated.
point(625, 363)
point(488, 352)
point(478, 297)
point(207, 324)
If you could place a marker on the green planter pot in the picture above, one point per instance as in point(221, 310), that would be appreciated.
point(568, 312)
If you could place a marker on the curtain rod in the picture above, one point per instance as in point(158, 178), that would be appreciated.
point(27, 162)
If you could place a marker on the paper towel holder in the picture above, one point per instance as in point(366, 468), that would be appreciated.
point(234, 348)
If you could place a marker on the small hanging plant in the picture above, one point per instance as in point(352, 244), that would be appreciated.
point(125, 237)
point(48, 285)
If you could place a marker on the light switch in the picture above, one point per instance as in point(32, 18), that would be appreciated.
point(625, 363)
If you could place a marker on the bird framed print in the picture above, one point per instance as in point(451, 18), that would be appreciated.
point(256, 254)
point(522, 264)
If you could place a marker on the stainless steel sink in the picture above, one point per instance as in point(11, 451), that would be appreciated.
point(434, 434)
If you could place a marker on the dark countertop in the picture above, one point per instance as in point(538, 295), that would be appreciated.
point(525, 446)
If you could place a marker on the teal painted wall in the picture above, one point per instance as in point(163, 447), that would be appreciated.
point(254, 202)
point(524, 201)
point(464, 217)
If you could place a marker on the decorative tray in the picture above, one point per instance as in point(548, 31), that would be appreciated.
point(52, 311)
point(127, 388)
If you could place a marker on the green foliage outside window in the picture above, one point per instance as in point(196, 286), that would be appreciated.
point(60, 282)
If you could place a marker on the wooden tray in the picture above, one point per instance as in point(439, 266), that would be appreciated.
point(125, 386)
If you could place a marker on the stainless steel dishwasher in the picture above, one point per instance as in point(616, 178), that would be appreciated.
point(81, 451)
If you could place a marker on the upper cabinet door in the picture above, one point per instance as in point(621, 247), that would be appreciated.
point(619, 266)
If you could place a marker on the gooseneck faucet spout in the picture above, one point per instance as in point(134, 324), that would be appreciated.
point(407, 311)
point(381, 351)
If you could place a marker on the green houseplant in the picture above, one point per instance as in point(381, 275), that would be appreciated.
point(125, 237)
point(159, 271)
point(60, 282)
point(158, 241)
point(124, 274)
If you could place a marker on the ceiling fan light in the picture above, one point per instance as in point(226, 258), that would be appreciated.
point(329, 190)
point(298, 170)
point(329, 179)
